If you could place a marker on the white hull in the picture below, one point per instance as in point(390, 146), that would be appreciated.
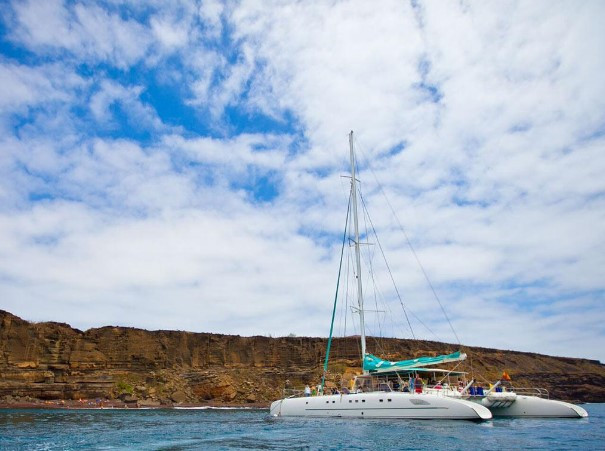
point(381, 405)
point(532, 406)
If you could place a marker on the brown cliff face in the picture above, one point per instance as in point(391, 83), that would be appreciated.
point(54, 361)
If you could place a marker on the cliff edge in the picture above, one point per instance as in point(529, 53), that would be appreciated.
point(50, 361)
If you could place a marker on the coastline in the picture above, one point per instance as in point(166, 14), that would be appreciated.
point(118, 404)
point(44, 363)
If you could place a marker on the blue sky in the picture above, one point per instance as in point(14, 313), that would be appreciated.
point(178, 165)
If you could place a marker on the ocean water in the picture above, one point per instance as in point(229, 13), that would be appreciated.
point(166, 429)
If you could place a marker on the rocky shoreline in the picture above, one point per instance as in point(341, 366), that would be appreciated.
point(119, 404)
point(42, 364)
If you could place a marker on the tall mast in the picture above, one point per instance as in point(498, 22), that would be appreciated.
point(357, 258)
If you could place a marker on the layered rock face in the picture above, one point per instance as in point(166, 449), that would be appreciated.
point(54, 361)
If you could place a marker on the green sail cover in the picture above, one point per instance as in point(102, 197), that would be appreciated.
point(373, 363)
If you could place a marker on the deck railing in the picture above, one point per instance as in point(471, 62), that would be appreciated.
point(532, 391)
point(437, 389)
point(293, 392)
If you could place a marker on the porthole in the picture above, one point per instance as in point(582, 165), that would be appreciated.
point(363, 400)
point(381, 400)
point(389, 400)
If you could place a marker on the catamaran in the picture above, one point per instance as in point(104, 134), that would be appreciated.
point(368, 398)
point(415, 388)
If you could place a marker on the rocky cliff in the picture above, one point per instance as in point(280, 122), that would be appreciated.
point(54, 361)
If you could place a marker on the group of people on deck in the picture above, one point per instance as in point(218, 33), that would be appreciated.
point(318, 391)
point(414, 384)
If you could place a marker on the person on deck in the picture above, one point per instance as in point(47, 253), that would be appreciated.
point(307, 391)
point(418, 383)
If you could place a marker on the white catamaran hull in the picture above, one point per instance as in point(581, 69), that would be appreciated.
point(380, 405)
point(532, 406)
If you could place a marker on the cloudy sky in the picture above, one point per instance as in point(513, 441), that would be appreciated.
point(178, 165)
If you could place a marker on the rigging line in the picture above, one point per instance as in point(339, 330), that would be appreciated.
point(379, 295)
point(340, 314)
point(363, 203)
point(371, 273)
point(416, 317)
point(386, 262)
point(345, 308)
point(347, 293)
point(409, 243)
point(342, 250)
point(389, 311)
point(470, 358)
point(370, 254)
point(351, 271)
point(376, 291)
point(449, 372)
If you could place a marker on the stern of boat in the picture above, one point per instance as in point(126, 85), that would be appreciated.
point(532, 406)
point(582, 413)
point(482, 412)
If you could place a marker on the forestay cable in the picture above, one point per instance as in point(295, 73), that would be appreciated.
point(344, 239)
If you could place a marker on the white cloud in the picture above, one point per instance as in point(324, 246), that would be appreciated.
point(87, 31)
point(337, 66)
point(266, 152)
point(139, 115)
point(507, 132)
point(97, 264)
point(483, 122)
point(211, 12)
point(23, 86)
point(169, 33)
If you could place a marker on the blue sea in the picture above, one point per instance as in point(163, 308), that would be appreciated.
point(166, 429)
